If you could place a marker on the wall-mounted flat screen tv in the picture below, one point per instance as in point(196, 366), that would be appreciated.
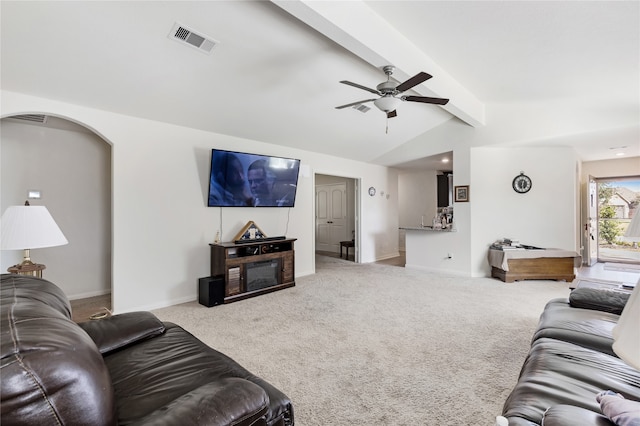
point(240, 179)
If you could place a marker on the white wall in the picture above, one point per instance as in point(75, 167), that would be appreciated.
point(72, 170)
point(546, 216)
point(417, 196)
point(161, 225)
point(611, 168)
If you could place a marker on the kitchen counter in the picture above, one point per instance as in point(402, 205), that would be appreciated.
point(427, 229)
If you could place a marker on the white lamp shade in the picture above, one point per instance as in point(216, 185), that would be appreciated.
point(633, 231)
point(626, 334)
point(387, 103)
point(29, 227)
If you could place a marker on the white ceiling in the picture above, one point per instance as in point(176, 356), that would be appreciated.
point(521, 73)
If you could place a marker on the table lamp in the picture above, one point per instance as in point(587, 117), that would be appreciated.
point(29, 227)
point(626, 334)
point(633, 230)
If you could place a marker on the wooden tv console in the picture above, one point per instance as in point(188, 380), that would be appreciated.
point(254, 268)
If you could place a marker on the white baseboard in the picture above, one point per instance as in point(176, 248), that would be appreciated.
point(387, 256)
point(160, 305)
point(88, 294)
point(436, 270)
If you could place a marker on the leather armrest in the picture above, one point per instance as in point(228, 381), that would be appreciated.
point(599, 300)
point(117, 331)
point(230, 401)
point(561, 415)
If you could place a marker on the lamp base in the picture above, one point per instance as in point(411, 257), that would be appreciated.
point(27, 267)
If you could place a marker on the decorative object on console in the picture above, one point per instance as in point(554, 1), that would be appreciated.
point(251, 231)
point(461, 193)
point(28, 227)
point(522, 183)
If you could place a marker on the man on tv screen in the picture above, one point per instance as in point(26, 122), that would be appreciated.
point(261, 183)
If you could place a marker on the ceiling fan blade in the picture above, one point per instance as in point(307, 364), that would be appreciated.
point(360, 87)
point(413, 81)
point(392, 114)
point(426, 100)
point(354, 103)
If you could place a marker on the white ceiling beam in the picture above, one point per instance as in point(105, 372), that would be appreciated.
point(354, 26)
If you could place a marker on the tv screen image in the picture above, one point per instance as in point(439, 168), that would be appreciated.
point(240, 179)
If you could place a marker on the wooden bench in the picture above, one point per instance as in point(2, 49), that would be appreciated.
point(551, 264)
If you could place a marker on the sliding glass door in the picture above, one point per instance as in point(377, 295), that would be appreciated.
point(618, 202)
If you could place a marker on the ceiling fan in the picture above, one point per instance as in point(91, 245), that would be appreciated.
point(389, 91)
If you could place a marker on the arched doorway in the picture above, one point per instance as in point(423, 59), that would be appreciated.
point(70, 166)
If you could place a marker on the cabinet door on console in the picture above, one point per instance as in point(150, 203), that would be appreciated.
point(234, 281)
point(288, 271)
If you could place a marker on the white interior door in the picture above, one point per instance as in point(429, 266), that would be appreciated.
point(591, 227)
point(331, 216)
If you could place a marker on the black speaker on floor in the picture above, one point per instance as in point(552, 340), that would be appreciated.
point(211, 290)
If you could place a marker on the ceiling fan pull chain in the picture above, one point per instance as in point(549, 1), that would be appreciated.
point(386, 130)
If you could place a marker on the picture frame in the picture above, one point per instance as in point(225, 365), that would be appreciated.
point(461, 194)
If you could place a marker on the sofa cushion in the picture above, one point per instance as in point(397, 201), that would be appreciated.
point(584, 327)
point(599, 299)
point(557, 372)
point(50, 370)
point(174, 366)
point(564, 415)
point(117, 331)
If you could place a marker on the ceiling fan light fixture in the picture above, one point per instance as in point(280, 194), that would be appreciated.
point(386, 103)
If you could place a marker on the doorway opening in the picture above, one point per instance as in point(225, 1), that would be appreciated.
point(78, 194)
point(336, 217)
point(618, 199)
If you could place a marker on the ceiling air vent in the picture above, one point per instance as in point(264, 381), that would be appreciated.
point(187, 36)
point(34, 118)
point(361, 108)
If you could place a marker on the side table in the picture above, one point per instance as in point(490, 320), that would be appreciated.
point(346, 244)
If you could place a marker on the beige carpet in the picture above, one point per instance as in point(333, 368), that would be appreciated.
point(381, 345)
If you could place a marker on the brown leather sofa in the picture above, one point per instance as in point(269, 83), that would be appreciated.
point(128, 369)
point(570, 361)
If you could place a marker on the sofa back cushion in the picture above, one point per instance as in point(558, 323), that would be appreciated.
point(50, 370)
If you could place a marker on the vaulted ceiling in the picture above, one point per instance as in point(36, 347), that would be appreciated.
point(516, 73)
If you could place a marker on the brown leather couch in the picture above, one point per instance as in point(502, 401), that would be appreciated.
point(128, 369)
point(570, 362)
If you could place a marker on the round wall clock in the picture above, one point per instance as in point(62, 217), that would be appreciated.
point(372, 191)
point(522, 183)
